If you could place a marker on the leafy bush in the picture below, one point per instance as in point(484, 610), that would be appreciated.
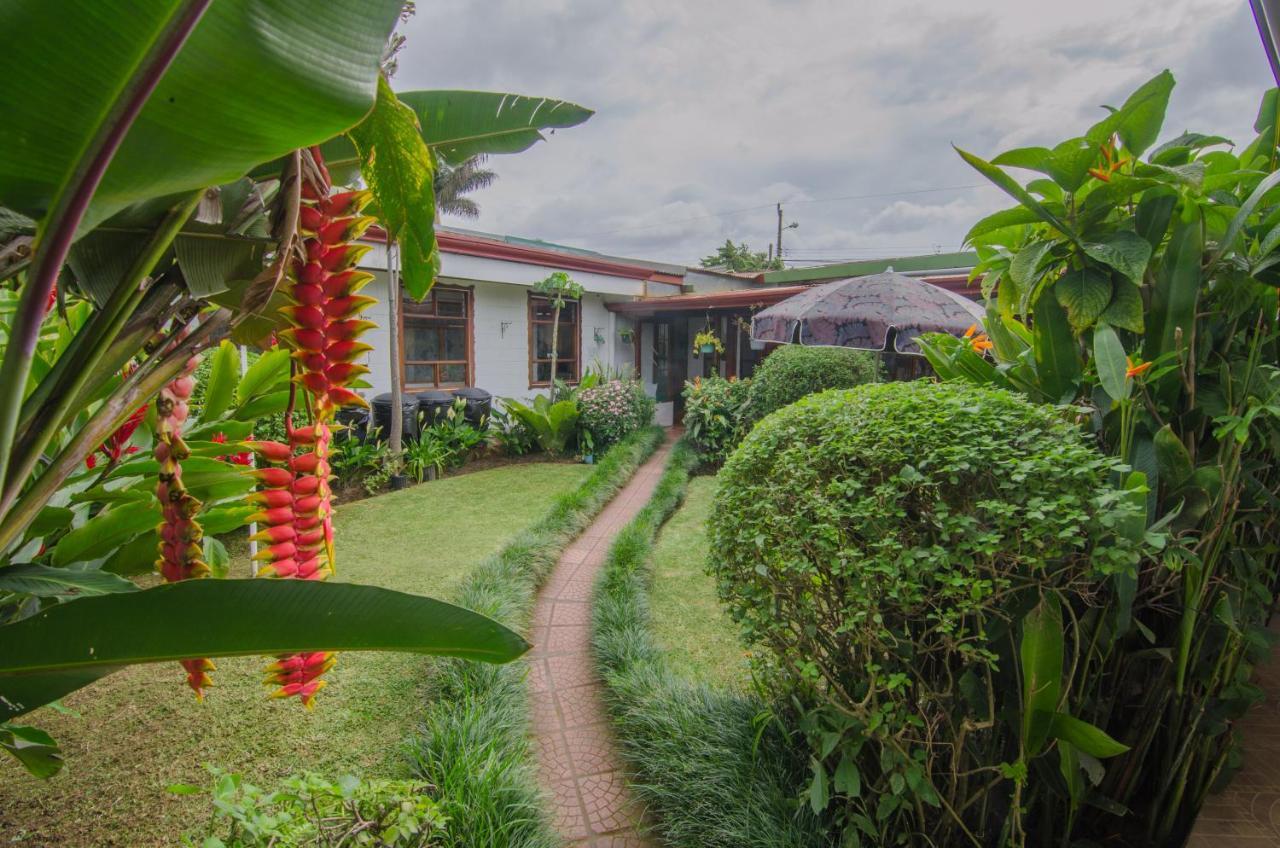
point(553, 425)
point(310, 810)
point(715, 415)
point(793, 371)
point(895, 547)
point(512, 435)
point(610, 411)
point(1154, 312)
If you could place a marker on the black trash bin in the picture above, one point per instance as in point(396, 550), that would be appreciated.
point(433, 406)
point(479, 404)
point(355, 421)
point(408, 413)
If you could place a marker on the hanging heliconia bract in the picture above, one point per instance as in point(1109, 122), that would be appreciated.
point(181, 552)
point(295, 499)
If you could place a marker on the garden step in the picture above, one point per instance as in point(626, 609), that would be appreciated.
point(578, 760)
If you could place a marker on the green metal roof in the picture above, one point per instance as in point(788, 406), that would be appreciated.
point(904, 264)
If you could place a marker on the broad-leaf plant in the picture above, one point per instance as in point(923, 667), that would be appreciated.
point(179, 177)
point(1135, 285)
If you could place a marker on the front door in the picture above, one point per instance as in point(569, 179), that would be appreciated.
point(671, 362)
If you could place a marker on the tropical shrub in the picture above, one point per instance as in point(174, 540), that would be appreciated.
point(715, 417)
point(1137, 282)
point(611, 411)
point(923, 562)
point(793, 371)
point(511, 434)
point(553, 425)
point(312, 810)
point(131, 257)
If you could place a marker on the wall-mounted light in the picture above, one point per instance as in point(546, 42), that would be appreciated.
point(502, 328)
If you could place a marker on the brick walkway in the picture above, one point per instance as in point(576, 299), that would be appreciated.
point(1247, 814)
point(577, 760)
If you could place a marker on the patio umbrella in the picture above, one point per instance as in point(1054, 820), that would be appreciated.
point(861, 312)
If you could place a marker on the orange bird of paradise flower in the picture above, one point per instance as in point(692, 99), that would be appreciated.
point(1135, 370)
point(978, 342)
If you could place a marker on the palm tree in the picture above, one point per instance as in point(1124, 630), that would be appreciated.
point(453, 181)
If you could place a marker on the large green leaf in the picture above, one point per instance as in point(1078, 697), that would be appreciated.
point(1084, 293)
point(1125, 250)
point(1040, 653)
point(224, 374)
point(107, 530)
point(1057, 361)
point(1088, 738)
point(256, 79)
point(67, 646)
point(271, 370)
point(1011, 187)
point(399, 170)
point(43, 581)
point(1176, 289)
point(1109, 358)
point(1139, 120)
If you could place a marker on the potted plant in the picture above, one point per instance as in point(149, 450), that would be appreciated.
point(626, 334)
point(707, 342)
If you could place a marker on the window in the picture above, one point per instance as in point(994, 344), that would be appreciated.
point(436, 339)
point(541, 319)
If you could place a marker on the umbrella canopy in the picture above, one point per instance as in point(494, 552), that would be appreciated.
point(860, 312)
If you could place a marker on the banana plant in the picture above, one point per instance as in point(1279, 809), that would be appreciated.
point(168, 194)
point(1135, 283)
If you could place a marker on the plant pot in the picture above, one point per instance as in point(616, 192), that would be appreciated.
point(708, 348)
point(398, 482)
point(589, 459)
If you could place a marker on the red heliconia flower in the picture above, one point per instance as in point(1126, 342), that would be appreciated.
point(295, 497)
point(117, 444)
point(181, 552)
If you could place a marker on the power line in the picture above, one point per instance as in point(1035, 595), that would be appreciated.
point(772, 205)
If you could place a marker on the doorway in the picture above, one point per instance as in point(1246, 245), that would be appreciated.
point(671, 363)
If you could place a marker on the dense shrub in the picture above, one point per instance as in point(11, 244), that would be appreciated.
point(610, 411)
point(793, 371)
point(714, 415)
point(895, 547)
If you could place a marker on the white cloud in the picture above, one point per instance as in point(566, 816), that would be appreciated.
point(715, 106)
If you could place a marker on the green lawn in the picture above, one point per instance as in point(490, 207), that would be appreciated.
point(688, 621)
point(140, 730)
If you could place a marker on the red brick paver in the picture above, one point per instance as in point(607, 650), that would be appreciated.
point(1247, 813)
point(577, 759)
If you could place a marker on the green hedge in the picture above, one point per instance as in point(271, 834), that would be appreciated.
point(474, 743)
point(709, 764)
point(794, 371)
point(893, 546)
point(714, 415)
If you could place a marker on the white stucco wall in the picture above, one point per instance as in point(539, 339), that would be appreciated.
point(501, 327)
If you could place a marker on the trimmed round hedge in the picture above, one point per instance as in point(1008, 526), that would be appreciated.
point(883, 544)
point(793, 371)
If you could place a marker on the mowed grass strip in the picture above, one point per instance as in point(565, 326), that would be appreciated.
point(141, 729)
point(689, 624)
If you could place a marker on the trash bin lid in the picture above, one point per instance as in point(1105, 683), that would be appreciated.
point(472, 393)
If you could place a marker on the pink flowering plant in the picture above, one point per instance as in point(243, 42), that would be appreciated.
point(610, 411)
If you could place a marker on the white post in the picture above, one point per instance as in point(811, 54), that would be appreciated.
point(396, 435)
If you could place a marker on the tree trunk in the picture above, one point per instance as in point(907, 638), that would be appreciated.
point(555, 348)
point(396, 434)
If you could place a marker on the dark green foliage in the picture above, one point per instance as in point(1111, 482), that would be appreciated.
point(885, 543)
point(709, 769)
point(793, 371)
point(1144, 293)
point(715, 415)
point(474, 744)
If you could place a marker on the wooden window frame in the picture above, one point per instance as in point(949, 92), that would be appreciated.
point(577, 341)
point(469, 321)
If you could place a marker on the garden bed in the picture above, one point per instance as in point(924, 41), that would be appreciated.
point(140, 730)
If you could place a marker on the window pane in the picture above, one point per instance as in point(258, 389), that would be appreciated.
point(452, 303)
point(541, 341)
point(541, 372)
point(570, 313)
point(564, 344)
point(542, 310)
point(420, 374)
point(412, 307)
point(453, 374)
point(455, 343)
point(564, 369)
point(422, 341)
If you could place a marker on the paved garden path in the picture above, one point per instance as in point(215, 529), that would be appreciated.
point(577, 759)
point(1247, 814)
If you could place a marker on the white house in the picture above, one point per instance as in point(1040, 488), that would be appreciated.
point(483, 326)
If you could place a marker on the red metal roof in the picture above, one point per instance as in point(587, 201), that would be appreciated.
point(471, 245)
point(733, 299)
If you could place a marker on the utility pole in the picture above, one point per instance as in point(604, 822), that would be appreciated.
point(779, 242)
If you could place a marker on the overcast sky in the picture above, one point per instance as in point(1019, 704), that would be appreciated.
point(706, 108)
